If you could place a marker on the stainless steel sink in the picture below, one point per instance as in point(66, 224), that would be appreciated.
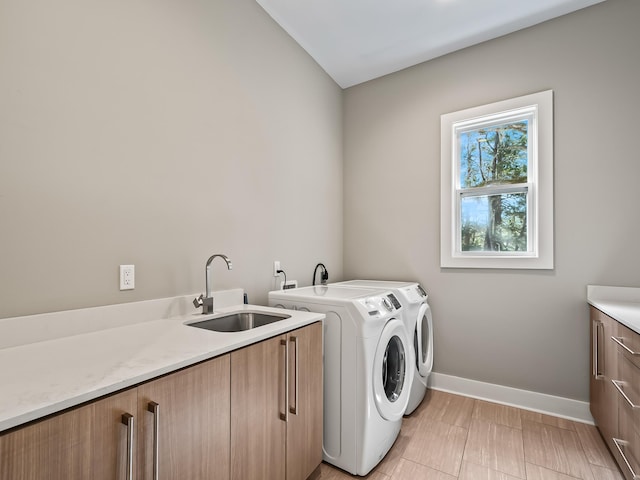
point(239, 321)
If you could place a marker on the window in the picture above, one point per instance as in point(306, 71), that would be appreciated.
point(497, 185)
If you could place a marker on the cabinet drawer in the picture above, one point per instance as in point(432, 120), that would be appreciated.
point(628, 344)
point(628, 386)
point(627, 450)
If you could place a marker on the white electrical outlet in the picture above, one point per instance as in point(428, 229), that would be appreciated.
point(276, 267)
point(127, 277)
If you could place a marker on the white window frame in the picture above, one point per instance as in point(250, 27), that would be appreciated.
point(537, 108)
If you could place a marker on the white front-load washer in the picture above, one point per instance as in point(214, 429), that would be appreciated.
point(367, 370)
point(419, 322)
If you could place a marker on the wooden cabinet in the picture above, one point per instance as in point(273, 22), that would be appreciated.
point(604, 361)
point(255, 413)
point(615, 389)
point(304, 427)
point(627, 384)
point(276, 407)
point(85, 442)
point(258, 434)
point(91, 442)
point(183, 424)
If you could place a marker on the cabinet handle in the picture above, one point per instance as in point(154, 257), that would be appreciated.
point(596, 349)
point(285, 416)
point(620, 341)
point(294, 408)
point(619, 444)
point(154, 408)
point(618, 385)
point(127, 419)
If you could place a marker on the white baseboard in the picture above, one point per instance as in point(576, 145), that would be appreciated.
point(514, 397)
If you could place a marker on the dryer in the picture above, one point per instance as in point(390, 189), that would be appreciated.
point(367, 370)
point(419, 322)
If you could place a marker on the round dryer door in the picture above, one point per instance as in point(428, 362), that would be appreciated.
point(424, 335)
point(392, 371)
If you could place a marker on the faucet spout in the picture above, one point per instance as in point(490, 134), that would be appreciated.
point(208, 271)
point(206, 301)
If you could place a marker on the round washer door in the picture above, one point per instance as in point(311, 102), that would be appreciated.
point(392, 371)
point(424, 334)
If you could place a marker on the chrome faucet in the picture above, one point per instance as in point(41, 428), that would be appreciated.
point(206, 300)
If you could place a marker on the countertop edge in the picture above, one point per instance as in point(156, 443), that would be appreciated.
point(234, 341)
point(620, 303)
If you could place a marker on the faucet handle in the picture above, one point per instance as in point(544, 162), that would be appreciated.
point(198, 301)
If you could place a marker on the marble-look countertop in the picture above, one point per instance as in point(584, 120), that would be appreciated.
point(620, 303)
point(60, 371)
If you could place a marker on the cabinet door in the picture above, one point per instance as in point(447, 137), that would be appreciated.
point(85, 442)
point(604, 361)
point(111, 455)
point(257, 401)
point(191, 424)
point(304, 428)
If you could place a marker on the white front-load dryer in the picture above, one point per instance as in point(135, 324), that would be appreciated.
point(367, 370)
point(419, 323)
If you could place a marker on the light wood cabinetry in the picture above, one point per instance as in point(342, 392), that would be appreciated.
point(86, 442)
point(255, 413)
point(92, 441)
point(276, 407)
point(615, 389)
point(258, 435)
point(304, 427)
point(188, 435)
point(604, 368)
point(627, 385)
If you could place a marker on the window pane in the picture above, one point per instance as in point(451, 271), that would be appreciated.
point(494, 223)
point(494, 155)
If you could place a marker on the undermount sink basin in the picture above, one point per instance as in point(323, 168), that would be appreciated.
point(239, 321)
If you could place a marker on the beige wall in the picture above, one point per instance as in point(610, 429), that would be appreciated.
point(159, 132)
point(524, 329)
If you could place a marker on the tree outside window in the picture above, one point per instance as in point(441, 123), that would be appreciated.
point(489, 158)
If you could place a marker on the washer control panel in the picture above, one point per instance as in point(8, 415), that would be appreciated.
point(380, 305)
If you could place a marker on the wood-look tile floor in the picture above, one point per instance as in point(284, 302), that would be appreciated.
point(453, 437)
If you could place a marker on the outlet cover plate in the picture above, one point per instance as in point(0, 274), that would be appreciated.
point(127, 277)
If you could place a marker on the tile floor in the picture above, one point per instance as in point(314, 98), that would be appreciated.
point(453, 437)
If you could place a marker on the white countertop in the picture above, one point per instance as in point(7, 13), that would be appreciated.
point(620, 303)
point(47, 376)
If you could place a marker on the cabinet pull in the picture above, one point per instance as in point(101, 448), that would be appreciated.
point(154, 408)
point(127, 419)
point(285, 416)
point(618, 385)
point(596, 349)
point(619, 444)
point(620, 341)
point(294, 408)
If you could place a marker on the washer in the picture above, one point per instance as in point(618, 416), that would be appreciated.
point(367, 370)
point(419, 322)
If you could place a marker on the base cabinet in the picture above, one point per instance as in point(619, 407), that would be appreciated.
point(86, 442)
point(276, 407)
point(604, 369)
point(183, 424)
point(255, 413)
point(615, 390)
point(305, 422)
point(627, 384)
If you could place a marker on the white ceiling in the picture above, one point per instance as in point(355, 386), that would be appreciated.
point(358, 40)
